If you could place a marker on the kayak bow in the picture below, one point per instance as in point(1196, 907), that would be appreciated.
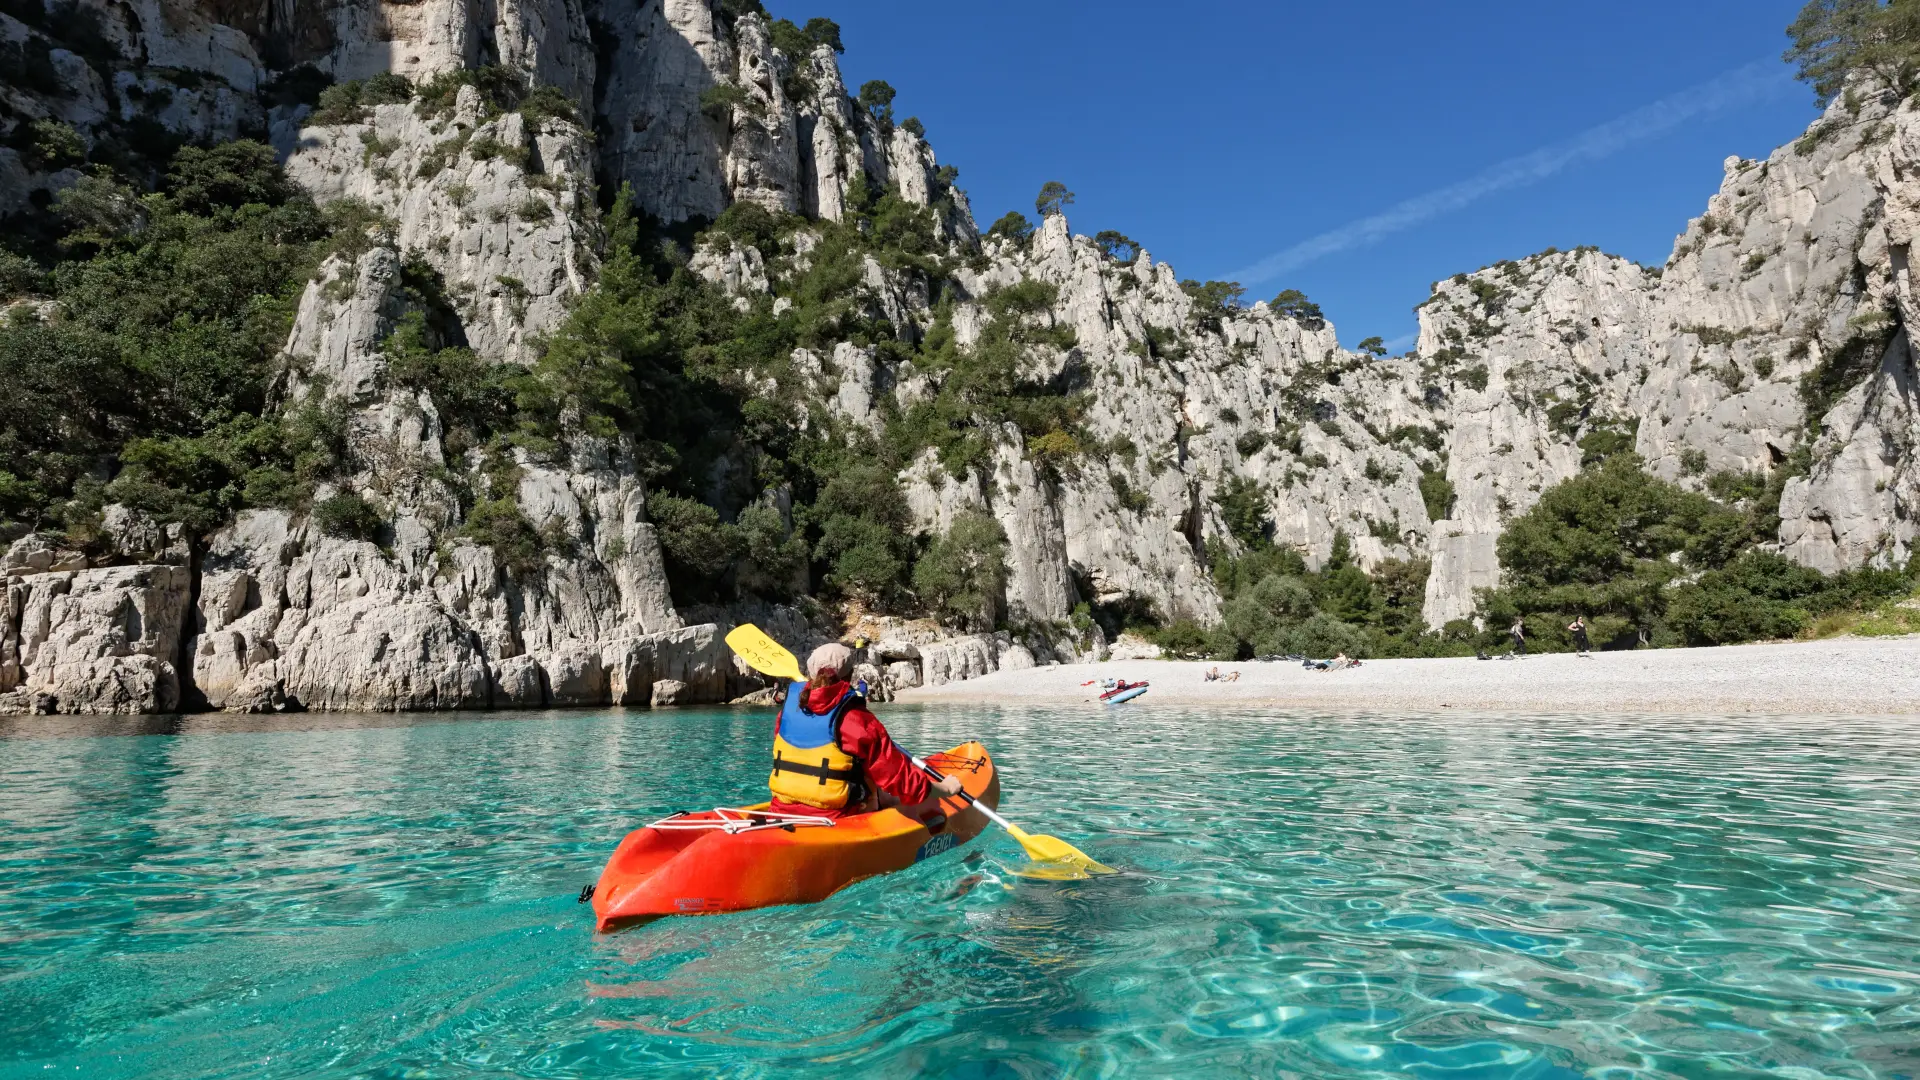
point(714, 861)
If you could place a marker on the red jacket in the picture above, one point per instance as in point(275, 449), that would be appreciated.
point(887, 767)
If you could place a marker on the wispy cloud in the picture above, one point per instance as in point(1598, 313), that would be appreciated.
point(1741, 86)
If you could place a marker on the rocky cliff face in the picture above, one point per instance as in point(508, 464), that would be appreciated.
point(1771, 344)
point(276, 614)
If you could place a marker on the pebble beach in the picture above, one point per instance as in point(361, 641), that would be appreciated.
point(1842, 676)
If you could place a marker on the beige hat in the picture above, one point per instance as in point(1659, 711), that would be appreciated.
point(832, 656)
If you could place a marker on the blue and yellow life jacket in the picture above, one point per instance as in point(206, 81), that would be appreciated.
point(809, 767)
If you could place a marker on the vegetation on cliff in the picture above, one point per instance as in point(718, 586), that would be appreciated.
point(139, 348)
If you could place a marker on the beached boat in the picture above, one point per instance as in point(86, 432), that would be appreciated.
point(733, 859)
point(1122, 696)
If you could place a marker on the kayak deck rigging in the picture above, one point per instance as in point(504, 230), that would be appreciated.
point(733, 820)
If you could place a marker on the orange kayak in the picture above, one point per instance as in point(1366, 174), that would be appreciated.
point(712, 861)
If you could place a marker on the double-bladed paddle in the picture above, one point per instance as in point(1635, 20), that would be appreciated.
point(770, 657)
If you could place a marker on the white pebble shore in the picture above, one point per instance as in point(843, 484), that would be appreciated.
point(1839, 677)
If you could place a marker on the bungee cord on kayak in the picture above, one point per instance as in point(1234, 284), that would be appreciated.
point(729, 820)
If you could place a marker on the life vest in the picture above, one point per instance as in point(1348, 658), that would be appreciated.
point(809, 767)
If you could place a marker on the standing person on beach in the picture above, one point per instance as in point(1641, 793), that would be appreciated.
point(1519, 633)
point(1579, 628)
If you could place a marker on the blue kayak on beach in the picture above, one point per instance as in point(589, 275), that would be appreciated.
point(1128, 694)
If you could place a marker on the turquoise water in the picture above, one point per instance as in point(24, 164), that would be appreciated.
point(1304, 895)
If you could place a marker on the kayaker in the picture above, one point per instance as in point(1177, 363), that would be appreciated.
point(833, 757)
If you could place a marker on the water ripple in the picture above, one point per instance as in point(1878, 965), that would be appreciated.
point(1342, 896)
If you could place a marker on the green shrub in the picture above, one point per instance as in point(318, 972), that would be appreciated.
point(155, 379)
point(1013, 225)
point(1758, 596)
point(486, 148)
point(753, 225)
point(500, 88)
point(1117, 246)
point(861, 520)
point(347, 516)
point(1438, 494)
point(1131, 499)
point(698, 548)
point(876, 97)
point(720, 100)
point(1243, 508)
point(1612, 542)
point(52, 144)
point(1737, 487)
point(731, 10)
point(1054, 198)
point(771, 559)
point(1835, 39)
point(963, 575)
point(1185, 639)
point(535, 210)
point(799, 43)
point(1293, 304)
point(547, 102)
point(353, 102)
point(501, 525)
point(1607, 439)
point(1845, 367)
point(1214, 301)
point(230, 175)
point(1262, 615)
point(475, 399)
point(20, 276)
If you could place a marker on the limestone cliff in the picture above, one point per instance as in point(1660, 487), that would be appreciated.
point(1772, 343)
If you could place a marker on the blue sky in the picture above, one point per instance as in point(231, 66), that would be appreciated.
point(1224, 133)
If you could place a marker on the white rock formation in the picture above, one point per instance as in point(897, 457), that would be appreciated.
point(501, 210)
point(92, 641)
point(1797, 270)
point(1774, 341)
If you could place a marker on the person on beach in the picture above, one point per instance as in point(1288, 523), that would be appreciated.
point(1579, 628)
point(1519, 633)
point(832, 757)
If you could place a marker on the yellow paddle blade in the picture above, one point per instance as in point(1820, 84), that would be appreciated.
point(764, 654)
point(1056, 855)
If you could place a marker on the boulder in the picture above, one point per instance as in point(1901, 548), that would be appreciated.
point(576, 676)
point(668, 692)
point(902, 675)
point(519, 683)
point(94, 641)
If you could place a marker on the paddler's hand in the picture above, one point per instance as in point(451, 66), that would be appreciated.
point(946, 785)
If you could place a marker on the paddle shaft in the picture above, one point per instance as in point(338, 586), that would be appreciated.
point(971, 801)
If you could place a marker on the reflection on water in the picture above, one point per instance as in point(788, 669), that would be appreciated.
point(1304, 894)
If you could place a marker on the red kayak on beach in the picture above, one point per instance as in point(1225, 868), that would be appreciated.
point(728, 859)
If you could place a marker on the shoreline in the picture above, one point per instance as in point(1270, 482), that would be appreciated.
point(1834, 677)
